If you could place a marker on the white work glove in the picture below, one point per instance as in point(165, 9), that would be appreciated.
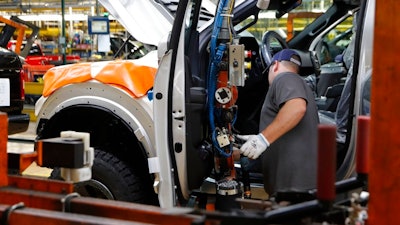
point(255, 145)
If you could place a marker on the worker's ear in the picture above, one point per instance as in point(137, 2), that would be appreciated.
point(275, 66)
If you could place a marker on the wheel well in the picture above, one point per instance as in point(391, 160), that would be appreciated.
point(108, 132)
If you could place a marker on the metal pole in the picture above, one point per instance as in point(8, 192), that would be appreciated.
point(384, 142)
point(63, 39)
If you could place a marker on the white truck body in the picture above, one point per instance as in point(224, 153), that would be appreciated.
point(164, 130)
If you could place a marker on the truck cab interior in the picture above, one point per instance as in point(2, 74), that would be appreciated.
point(327, 76)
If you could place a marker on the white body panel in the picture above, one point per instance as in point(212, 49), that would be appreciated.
point(137, 16)
point(135, 112)
point(166, 187)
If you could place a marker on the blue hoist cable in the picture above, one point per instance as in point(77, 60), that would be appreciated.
point(216, 54)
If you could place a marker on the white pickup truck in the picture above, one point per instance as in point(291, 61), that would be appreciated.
point(162, 129)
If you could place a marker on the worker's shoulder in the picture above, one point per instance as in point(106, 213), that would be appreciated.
point(287, 77)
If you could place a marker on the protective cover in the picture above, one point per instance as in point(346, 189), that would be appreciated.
point(133, 77)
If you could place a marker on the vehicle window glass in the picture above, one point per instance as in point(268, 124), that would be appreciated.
point(335, 42)
point(266, 21)
point(35, 50)
point(289, 24)
point(366, 97)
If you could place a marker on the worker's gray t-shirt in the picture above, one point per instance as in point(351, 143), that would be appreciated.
point(290, 163)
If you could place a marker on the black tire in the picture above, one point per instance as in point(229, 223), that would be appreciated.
point(114, 179)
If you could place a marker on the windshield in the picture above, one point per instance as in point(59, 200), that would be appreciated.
point(290, 24)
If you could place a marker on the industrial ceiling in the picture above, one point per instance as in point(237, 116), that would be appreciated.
point(23, 7)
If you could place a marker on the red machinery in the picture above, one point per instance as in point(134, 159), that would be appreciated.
point(25, 200)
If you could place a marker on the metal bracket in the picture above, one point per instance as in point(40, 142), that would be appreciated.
point(66, 201)
point(6, 215)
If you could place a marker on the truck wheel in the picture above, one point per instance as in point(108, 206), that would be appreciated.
point(114, 179)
